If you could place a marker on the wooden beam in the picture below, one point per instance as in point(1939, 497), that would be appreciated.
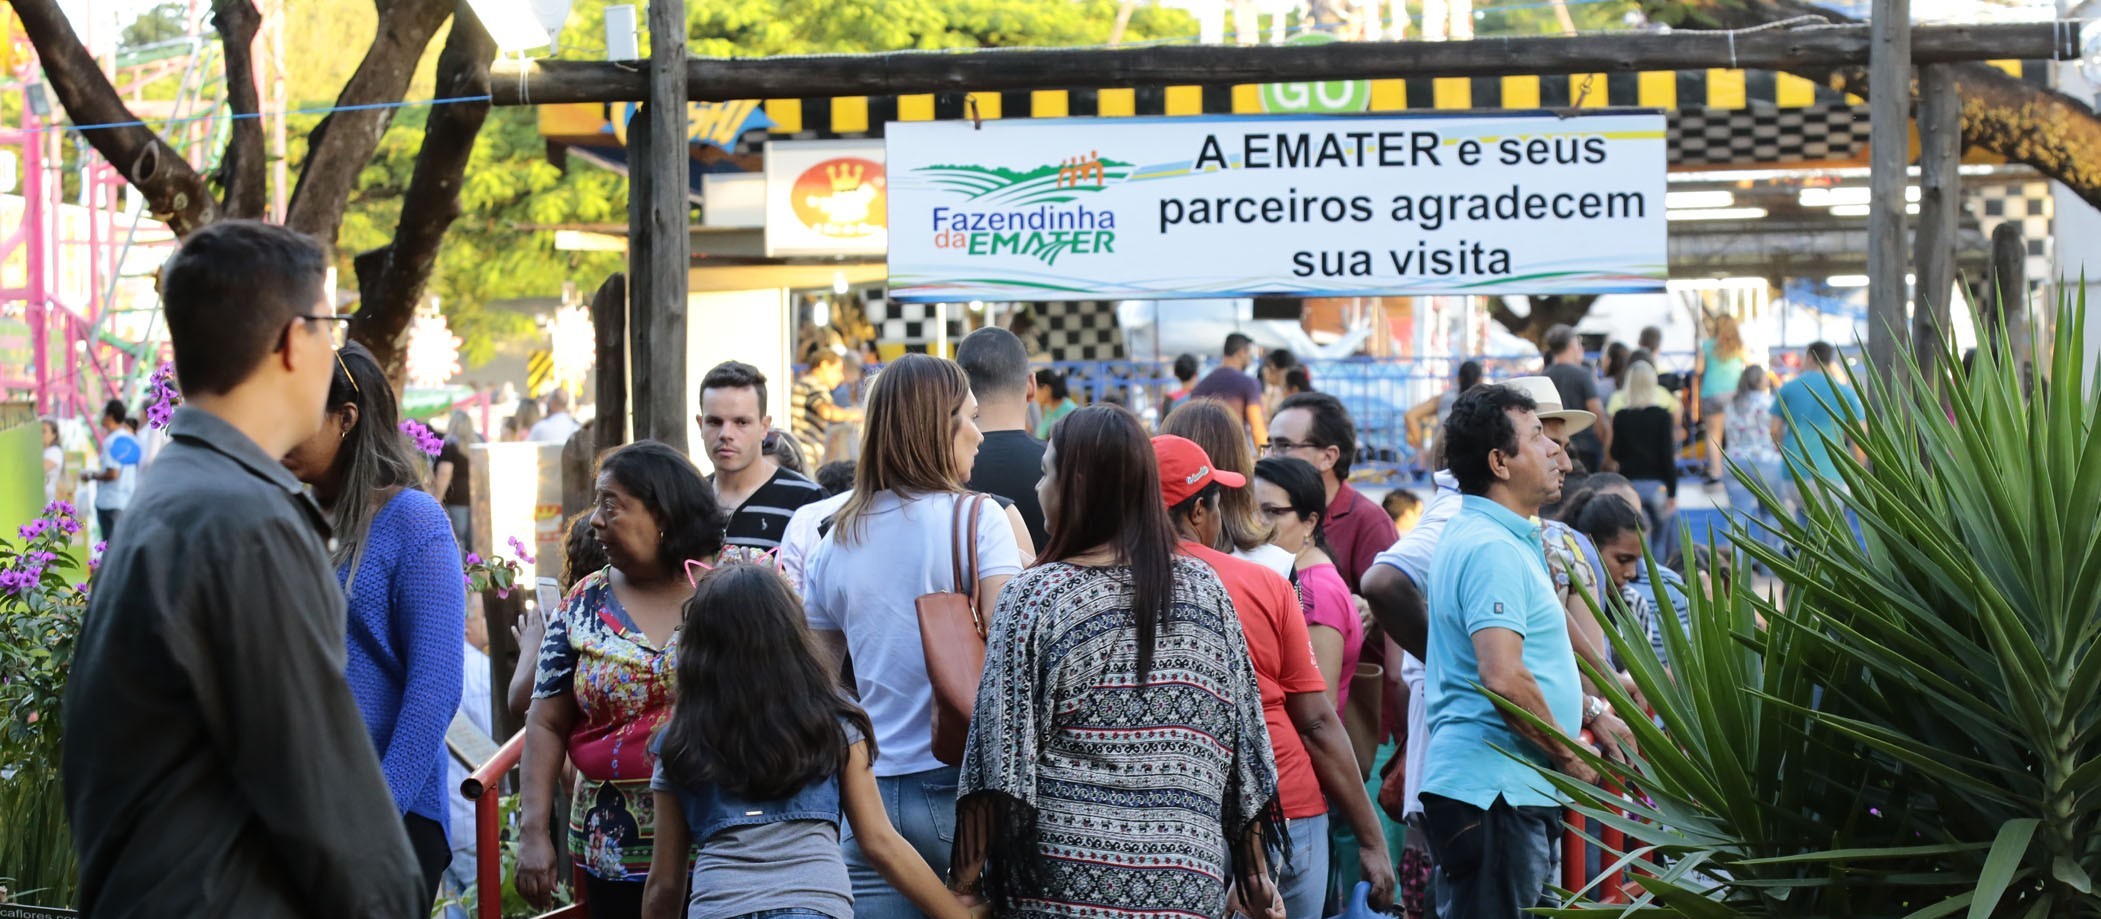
point(1889, 149)
point(661, 358)
point(1940, 204)
point(609, 322)
point(906, 72)
point(641, 298)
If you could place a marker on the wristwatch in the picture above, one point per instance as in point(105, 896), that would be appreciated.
point(1592, 708)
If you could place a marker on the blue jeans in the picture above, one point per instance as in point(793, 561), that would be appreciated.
point(922, 806)
point(1491, 864)
point(1761, 519)
point(1303, 881)
point(1663, 527)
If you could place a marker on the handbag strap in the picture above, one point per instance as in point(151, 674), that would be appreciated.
point(963, 553)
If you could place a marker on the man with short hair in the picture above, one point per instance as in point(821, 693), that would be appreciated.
point(214, 760)
point(119, 478)
point(559, 425)
point(1496, 628)
point(1315, 427)
point(1579, 390)
point(815, 409)
point(1315, 763)
point(1010, 462)
point(1809, 415)
point(1232, 384)
point(758, 494)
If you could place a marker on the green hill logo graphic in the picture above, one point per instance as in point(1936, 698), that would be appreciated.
point(1050, 183)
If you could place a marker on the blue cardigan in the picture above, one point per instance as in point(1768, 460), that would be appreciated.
point(407, 615)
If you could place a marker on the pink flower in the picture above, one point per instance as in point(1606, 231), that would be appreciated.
point(519, 549)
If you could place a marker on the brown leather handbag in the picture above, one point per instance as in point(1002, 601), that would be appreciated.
point(952, 632)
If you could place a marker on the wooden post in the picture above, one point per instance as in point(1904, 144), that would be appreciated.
point(2006, 299)
point(641, 247)
point(609, 321)
point(1940, 204)
point(661, 405)
point(1889, 143)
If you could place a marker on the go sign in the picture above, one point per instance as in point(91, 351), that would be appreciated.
point(1327, 97)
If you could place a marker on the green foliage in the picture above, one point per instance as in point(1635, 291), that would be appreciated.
point(748, 28)
point(1913, 731)
point(42, 597)
point(491, 253)
point(161, 23)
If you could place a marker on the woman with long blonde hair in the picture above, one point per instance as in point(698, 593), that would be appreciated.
point(1214, 427)
point(1645, 445)
point(1720, 368)
point(888, 545)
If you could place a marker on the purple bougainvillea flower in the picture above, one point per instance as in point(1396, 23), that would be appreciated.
point(519, 548)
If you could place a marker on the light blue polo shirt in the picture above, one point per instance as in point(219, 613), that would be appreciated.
point(1490, 572)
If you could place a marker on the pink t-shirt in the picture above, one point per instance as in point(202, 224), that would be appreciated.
point(1327, 602)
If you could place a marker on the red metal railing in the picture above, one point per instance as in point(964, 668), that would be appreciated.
point(488, 841)
point(1576, 850)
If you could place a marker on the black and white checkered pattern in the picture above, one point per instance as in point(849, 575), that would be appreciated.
point(1081, 330)
point(1765, 134)
point(908, 324)
point(2028, 206)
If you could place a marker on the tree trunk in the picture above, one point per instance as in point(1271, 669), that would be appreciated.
point(391, 279)
point(2043, 128)
point(174, 192)
point(343, 142)
point(1123, 21)
point(241, 169)
point(1546, 313)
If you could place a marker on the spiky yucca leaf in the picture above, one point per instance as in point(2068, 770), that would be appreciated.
point(1913, 731)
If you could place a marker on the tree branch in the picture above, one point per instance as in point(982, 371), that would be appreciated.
point(340, 145)
point(174, 192)
point(241, 169)
point(2024, 123)
point(391, 278)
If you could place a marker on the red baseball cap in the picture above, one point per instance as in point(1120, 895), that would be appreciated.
point(1185, 469)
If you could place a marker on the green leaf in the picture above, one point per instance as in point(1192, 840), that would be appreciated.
point(2066, 870)
point(2002, 865)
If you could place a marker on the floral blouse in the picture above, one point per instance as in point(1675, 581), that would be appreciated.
point(623, 687)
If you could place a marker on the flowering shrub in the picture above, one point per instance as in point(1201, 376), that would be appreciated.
point(162, 397)
point(496, 572)
point(43, 593)
point(426, 439)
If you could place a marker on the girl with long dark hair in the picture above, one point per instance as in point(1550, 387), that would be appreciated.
point(398, 565)
point(1116, 671)
point(891, 543)
point(605, 675)
point(760, 760)
point(1290, 494)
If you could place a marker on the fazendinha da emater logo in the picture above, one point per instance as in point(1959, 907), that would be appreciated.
point(1040, 213)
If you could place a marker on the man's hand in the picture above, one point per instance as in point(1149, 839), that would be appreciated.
point(1574, 767)
point(1615, 739)
point(1633, 689)
point(1375, 864)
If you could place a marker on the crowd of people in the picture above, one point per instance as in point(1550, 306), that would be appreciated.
point(1215, 675)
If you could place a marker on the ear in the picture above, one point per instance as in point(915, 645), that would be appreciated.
point(350, 416)
point(1499, 464)
point(1330, 455)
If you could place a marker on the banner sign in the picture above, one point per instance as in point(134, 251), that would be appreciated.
point(1300, 206)
point(825, 197)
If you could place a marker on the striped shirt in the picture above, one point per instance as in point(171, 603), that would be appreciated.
point(811, 400)
point(763, 519)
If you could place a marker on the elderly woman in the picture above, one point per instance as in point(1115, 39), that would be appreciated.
point(400, 568)
point(604, 681)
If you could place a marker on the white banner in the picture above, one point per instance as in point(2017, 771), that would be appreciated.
point(1314, 205)
point(825, 197)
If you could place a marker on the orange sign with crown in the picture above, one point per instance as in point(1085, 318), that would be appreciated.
point(841, 198)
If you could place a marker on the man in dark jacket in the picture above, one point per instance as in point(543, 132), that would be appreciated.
point(215, 763)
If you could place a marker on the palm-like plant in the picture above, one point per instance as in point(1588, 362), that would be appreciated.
point(1913, 732)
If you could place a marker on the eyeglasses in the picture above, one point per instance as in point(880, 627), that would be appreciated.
point(1274, 512)
point(346, 372)
point(1275, 447)
point(339, 329)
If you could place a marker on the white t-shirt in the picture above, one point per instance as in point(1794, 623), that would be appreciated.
point(868, 589)
point(1412, 555)
point(1270, 556)
point(122, 452)
point(801, 537)
point(553, 429)
point(56, 459)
